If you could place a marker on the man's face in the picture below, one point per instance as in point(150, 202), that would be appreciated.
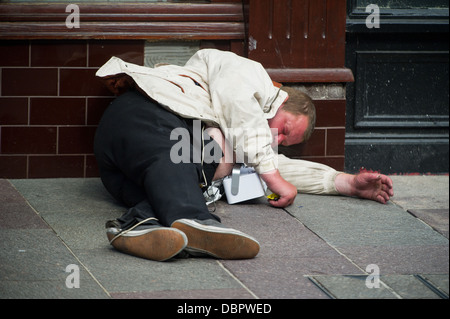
point(287, 128)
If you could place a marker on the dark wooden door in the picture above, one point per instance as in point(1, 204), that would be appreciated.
point(398, 106)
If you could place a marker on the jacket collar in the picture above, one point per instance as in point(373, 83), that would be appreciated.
point(274, 104)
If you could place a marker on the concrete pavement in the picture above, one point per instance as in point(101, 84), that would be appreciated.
point(53, 245)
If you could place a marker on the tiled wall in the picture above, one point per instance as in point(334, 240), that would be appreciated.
point(51, 102)
point(327, 144)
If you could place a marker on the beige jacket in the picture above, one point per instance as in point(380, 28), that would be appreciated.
point(221, 89)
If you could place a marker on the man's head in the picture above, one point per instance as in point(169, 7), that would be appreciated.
point(295, 120)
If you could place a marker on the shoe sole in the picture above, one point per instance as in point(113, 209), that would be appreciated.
point(159, 244)
point(221, 243)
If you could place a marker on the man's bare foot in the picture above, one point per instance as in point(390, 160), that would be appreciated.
point(374, 186)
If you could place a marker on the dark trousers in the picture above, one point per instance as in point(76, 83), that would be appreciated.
point(132, 147)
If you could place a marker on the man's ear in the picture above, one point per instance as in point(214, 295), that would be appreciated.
point(118, 84)
point(110, 84)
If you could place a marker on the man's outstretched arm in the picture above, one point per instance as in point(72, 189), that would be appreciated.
point(315, 178)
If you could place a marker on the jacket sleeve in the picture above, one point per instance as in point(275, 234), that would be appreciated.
point(240, 89)
point(308, 177)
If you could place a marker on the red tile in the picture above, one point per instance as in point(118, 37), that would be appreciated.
point(335, 142)
point(81, 82)
point(330, 113)
point(100, 51)
point(13, 111)
point(57, 111)
point(314, 147)
point(29, 81)
point(28, 140)
point(91, 166)
point(15, 212)
point(76, 140)
point(14, 53)
point(13, 166)
point(56, 166)
point(96, 107)
point(59, 53)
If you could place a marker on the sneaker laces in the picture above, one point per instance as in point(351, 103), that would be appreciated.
point(123, 232)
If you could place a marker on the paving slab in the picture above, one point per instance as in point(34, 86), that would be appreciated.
point(67, 195)
point(409, 287)
point(77, 209)
point(436, 218)
point(345, 221)
point(289, 251)
point(33, 264)
point(120, 273)
point(15, 211)
point(441, 282)
point(352, 287)
point(400, 259)
point(421, 192)
point(317, 248)
point(367, 233)
point(223, 294)
point(385, 287)
point(33, 259)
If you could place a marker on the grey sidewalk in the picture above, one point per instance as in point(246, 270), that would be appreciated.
point(320, 247)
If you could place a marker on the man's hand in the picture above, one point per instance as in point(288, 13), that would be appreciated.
point(281, 187)
point(374, 186)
